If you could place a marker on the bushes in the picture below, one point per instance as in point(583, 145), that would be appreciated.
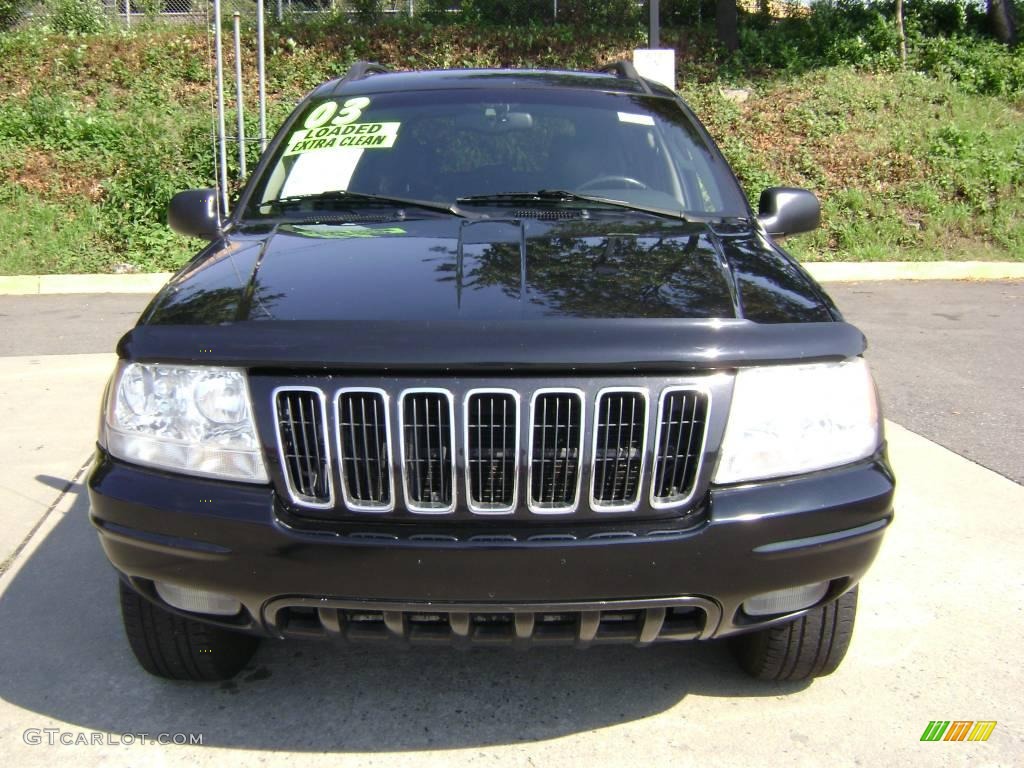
point(11, 12)
point(434, 11)
point(581, 13)
point(945, 39)
point(367, 11)
point(77, 16)
point(835, 32)
point(506, 11)
point(975, 65)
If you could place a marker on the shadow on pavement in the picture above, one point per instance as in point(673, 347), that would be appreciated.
point(63, 656)
point(56, 483)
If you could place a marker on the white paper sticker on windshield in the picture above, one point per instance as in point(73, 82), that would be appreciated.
point(632, 117)
point(364, 135)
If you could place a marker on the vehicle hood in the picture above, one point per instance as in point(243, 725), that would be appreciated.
point(468, 292)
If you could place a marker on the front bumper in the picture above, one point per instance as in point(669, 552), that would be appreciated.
point(662, 583)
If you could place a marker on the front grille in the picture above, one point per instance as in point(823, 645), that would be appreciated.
point(302, 444)
point(467, 451)
point(620, 440)
point(364, 450)
point(427, 442)
point(492, 444)
point(681, 428)
point(556, 447)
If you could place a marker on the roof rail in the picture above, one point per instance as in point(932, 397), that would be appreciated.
point(362, 69)
point(626, 70)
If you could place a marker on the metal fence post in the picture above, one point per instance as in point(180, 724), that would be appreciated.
point(280, 11)
point(222, 159)
point(261, 75)
point(654, 40)
point(128, 13)
point(239, 96)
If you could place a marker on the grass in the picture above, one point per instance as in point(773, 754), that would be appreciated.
point(98, 131)
point(908, 167)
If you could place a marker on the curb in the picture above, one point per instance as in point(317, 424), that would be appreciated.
point(822, 271)
point(28, 285)
point(855, 272)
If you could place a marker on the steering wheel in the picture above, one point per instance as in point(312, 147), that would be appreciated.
point(627, 181)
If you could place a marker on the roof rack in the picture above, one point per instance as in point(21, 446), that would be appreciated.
point(626, 70)
point(363, 69)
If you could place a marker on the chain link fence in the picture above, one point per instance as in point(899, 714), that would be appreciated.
point(128, 10)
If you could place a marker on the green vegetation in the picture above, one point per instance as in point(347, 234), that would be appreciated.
point(99, 129)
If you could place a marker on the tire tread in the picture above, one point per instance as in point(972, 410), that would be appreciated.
point(812, 646)
point(171, 646)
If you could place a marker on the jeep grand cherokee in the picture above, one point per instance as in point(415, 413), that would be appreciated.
point(496, 357)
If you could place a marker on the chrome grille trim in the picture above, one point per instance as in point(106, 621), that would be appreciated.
point(403, 441)
point(386, 478)
point(628, 505)
point(294, 494)
point(588, 399)
point(660, 457)
point(475, 506)
point(540, 508)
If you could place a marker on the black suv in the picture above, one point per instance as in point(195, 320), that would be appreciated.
point(493, 357)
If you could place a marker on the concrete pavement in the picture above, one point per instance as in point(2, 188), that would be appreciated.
point(936, 638)
point(49, 407)
point(937, 635)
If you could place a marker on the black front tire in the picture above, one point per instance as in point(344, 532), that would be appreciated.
point(171, 646)
point(812, 646)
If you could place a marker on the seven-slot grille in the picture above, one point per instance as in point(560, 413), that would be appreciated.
point(364, 449)
point(492, 443)
point(628, 423)
point(302, 443)
point(556, 447)
point(682, 421)
point(428, 438)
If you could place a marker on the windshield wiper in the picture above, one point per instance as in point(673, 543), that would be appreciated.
point(565, 196)
point(361, 198)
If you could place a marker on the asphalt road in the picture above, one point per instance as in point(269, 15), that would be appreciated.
point(948, 355)
point(949, 361)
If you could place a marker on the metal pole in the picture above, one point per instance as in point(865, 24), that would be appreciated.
point(222, 151)
point(556, 9)
point(128, 13)
point(411, 9)
point(261, 74)
point(280, 11)
point(239, 96)
point(653, 40)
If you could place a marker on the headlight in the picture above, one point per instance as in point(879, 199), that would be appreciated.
point(789, 419)
point(196, 420)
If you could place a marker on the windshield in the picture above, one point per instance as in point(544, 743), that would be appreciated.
point(443, 146)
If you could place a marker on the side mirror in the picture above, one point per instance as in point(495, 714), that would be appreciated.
point(194, 213)
point(788, 211)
